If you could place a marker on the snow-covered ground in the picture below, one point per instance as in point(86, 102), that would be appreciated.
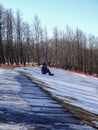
point(76, 89)
point(64, 84)
point(9, 89)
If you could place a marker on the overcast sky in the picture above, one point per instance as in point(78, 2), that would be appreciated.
point(74, 13)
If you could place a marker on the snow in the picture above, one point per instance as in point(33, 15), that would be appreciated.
point(4, 126)
point(76, 89)
point(9, 89)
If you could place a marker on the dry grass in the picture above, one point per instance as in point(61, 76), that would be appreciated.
point(92, 75)
point(14, 65)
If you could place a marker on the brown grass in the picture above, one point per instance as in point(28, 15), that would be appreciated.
point(14, 65)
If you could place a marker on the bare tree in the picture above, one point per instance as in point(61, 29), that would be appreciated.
point(9, 37)
point(37, 36)
point(27, 46)
point(46, 47)
point(19, 45)
point(2, 60)
point(56, 42)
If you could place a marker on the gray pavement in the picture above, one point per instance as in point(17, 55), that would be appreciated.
point(24, 106)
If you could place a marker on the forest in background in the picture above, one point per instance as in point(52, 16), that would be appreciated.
point(22, 43)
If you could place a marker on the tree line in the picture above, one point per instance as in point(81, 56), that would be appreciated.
point(22, 43)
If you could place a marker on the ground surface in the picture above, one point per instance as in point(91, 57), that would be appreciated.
point(24, 106)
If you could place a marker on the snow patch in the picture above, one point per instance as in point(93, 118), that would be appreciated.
point(67, 84)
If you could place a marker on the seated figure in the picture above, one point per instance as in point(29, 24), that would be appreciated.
point(45, 69)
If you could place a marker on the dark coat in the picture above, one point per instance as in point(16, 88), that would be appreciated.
point(44, 68)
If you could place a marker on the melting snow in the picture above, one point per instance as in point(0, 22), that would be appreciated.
point(77, 89)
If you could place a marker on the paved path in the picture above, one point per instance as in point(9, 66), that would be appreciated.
point(24, 106)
